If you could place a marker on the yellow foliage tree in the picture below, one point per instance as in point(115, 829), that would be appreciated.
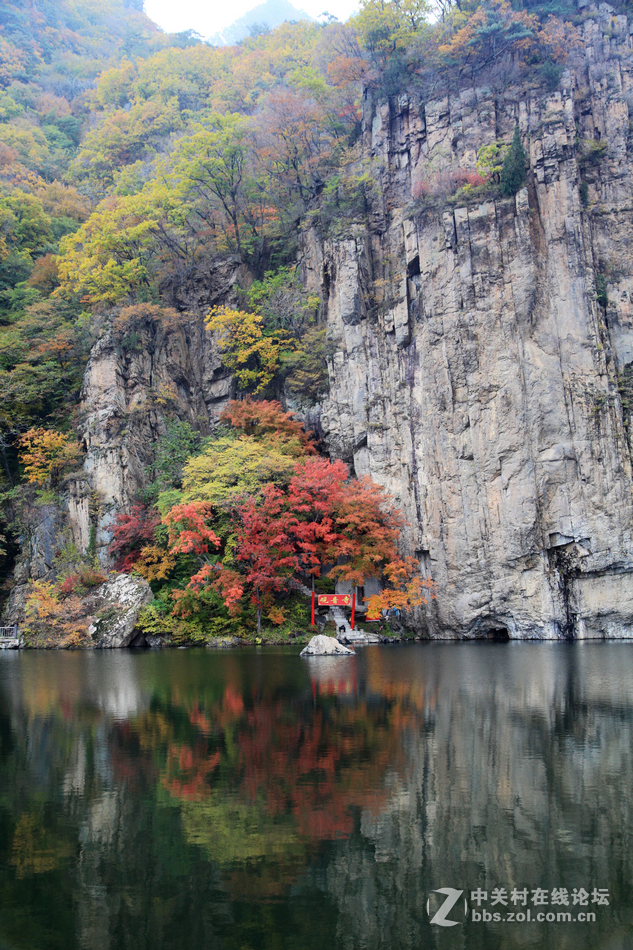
point(107, 258)
point(252, 357)
point(45, 454)
point(53, 619)
point(154, 563)
point(230, 467)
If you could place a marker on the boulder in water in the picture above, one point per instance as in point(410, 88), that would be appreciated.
point(325, 646)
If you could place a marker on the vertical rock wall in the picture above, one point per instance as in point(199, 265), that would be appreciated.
point(129, 393)
point(477, 372)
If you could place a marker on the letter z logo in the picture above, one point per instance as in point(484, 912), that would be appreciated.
point(452, 896)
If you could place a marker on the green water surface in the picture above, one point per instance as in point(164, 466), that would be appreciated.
point(254, 800)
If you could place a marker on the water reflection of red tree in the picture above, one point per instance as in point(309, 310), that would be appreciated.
point(318, 762)
point(318, 769)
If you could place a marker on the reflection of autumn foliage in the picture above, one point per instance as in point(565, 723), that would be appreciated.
point(319, 770)
point(314, 766)
point(187, 771)
point(37, 849)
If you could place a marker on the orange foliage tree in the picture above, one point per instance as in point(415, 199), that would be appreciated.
point(267, 418)
point(493, 30)
point(52, 618)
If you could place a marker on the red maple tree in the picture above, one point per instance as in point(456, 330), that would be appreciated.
point(130, 533)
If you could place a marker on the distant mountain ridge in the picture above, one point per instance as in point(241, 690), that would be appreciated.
point(272, 13)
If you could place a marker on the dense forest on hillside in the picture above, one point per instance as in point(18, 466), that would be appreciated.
point(129, 159)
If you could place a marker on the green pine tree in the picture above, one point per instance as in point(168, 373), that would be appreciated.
point(513, 171)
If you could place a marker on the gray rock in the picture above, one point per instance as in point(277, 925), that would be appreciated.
point(483, 388)
point(115, 606)
point(325, 646)
point(223, 643)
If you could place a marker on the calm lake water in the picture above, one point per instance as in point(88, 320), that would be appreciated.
point(252, 800)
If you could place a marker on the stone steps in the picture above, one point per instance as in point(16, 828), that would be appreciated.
point(347, 635)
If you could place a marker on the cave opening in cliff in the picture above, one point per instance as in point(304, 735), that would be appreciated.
point(498, 634)
point(413, 267)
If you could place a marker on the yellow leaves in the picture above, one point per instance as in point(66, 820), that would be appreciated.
point(230, 466)
point(107, 257)
point(45, 454)
point(123, 138)
point(276, 615)
point(54, 620)
point(115, 85)
point(252, 357)
point(63, 200)
point(490, 159)
point(387, 25)
point(13, 61)
point(154, 563)
point(36, 849)
point(24, 225)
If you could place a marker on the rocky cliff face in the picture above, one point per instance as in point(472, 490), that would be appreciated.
point(484, 354)
point(482, 389)
point(130, 391)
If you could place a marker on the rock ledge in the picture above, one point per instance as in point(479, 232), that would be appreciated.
point(325, 646)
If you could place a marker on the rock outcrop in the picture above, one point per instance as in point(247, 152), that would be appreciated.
point(325, 646)
point(47, 530)
point(131, 389)
point(482, 350)
point(115, 606)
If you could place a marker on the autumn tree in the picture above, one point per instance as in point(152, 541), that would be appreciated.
point(213, 172)
point(230, 466)
point(247, 351)
point(111, 254)
point(266, 418)
point(46, 454)
point(264, 551)
point(386, 26)
point(131, 533)
point(294, 136)
point(189, 531)
point(319, 518)
point(490, 32)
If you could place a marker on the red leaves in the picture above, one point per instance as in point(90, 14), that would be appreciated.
point(264, 549)
point(130, 533)
point(188, 530)
point(230, 585)
point(267, 418)
point(314, 493)
point(321, 518)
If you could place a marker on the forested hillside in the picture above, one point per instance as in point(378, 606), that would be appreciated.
point(133, 162)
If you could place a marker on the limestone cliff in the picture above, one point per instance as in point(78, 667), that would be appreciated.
point(483, 389)
point(482, 353)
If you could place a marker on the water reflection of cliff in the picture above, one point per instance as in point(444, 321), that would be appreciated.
point(190, 791)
